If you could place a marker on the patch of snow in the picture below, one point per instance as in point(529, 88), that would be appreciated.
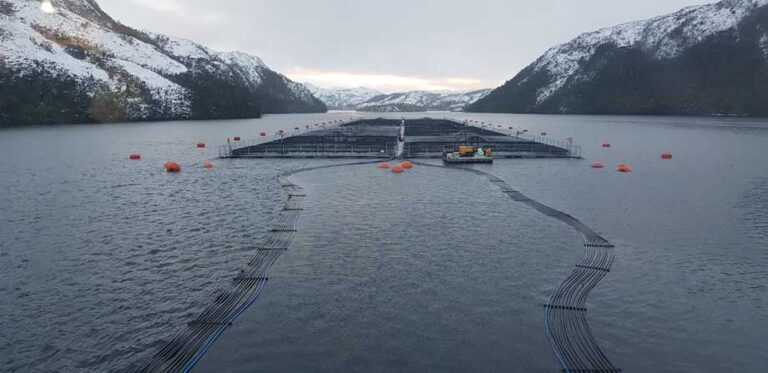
point(664, 37)
point(242, 59)
point(22, 47)
point(444, 100)
point(71, 25)
point(179, 47)
point(31, 38)
point(763, 42)
point(252, 67)
point(342, 98)
point(162, 89)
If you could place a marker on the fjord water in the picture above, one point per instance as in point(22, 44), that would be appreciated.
point(103, 259)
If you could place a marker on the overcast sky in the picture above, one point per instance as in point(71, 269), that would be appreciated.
point(391, 45)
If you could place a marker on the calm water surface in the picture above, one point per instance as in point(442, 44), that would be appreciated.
point(102, 259)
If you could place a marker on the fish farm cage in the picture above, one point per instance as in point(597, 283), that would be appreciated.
point(398, 138)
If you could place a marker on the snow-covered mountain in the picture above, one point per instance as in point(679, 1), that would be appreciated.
point(710, 59)
point(342, 98)
point(422, 101)
point(79, 65)
point(367, 99)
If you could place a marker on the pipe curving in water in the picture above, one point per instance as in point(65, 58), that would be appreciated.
point(187, 348)
point(565, 322)
point(565, 314)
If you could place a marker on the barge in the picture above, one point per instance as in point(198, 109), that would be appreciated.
point(468, 154)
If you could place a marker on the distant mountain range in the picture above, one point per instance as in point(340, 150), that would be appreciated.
point(702, 60)
point(365, 99)
point(422, 101)
point(78, 65)
point(343, 98)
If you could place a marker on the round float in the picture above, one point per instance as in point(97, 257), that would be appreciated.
point(172, 167)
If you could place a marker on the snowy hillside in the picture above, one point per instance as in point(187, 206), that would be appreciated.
point(634, 61)
point(79, 65)
point(366, 99)
point(343, 98)
point(422, 101)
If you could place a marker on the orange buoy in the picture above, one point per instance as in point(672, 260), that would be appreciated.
point(398, 169)
point(172, 166)
point(384, 165)
point(135, 156)
point(607, 145)
point(201, 145)
point(237, 138)
point(208, 165)
point(666, 156)
point(597, 165)
point(263, 134)
point(407, 165)
point(624, 168)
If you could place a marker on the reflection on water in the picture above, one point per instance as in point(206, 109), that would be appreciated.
point(102, 259)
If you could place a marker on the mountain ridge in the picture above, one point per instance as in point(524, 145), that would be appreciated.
point(423, 101)
point(366, 99)
point(701, 60)
point(342, 98)
point(79, 65)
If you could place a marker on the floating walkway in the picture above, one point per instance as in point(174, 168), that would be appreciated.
point(404, 138)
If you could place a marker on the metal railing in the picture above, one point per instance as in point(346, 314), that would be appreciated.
point(537, 146)
point(228, 150)
point(278, 150)
point(567, 144)
point(500, 150)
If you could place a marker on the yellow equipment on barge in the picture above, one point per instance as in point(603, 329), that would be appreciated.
point(468, 154)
